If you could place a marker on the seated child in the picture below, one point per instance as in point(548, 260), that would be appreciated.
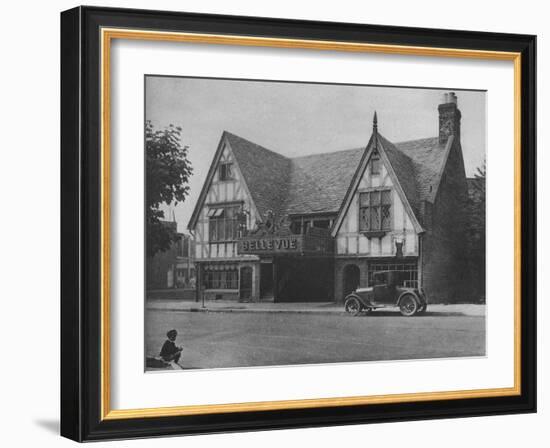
point(170, 352)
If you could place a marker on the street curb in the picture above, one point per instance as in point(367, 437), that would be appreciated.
point(233, 310)
point(287, 311)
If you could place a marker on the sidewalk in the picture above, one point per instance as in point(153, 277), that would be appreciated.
point(221, 306)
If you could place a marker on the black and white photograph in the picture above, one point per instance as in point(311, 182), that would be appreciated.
point(275, 224)
point(292, 223)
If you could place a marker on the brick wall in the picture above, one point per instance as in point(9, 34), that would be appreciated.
point(172, 294)
point(475, 232)
point(444, 261)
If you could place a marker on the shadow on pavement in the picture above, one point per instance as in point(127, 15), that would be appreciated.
point(426, 314)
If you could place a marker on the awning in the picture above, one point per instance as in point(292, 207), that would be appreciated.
point(220, 267)
point(215, 212)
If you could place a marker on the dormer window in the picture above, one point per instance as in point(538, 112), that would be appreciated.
point(375, 164)
point(226, 171)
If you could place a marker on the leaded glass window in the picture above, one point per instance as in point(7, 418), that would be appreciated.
point(385, 209)
point(223, 223)
point(375, 210)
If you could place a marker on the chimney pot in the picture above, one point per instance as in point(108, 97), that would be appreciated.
point(449, 118)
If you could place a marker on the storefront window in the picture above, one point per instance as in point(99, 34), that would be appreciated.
point(221, 278)
point(409, 270)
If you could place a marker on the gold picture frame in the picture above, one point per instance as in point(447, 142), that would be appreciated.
point(106, 32)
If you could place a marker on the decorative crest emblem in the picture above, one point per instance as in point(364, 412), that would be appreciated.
point(272, 225)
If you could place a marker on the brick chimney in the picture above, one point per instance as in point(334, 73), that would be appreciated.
point(449, 118)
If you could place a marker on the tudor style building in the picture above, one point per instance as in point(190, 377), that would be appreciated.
point(313, 228)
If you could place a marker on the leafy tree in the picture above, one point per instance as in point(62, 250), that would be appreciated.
point(167, 173)
point(477, 204)
point(480, 175)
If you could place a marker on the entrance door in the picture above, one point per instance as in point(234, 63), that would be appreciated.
point(245, 283)
point(351, 278)
point(266, 281)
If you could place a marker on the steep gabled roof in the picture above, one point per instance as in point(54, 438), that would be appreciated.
point(428, 157)
point(266, 173)
point(309, 184)
point(321, 183)
point(401, 171)
point(318, 182)
point(405, 172)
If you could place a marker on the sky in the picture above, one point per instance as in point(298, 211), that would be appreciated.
point(296, 119)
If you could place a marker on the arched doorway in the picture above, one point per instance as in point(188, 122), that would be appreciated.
point(351, 278)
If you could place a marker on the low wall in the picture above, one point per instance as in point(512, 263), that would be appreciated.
point(171, 294)
point(213, 294)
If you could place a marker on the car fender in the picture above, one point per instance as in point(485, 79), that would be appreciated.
point(406, 293)
point(358, 297)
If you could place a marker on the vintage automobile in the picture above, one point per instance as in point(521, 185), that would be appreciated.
point(390, 289)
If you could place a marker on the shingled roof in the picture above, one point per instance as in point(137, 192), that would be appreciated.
point(428, 157)
point(318, 183)
point(266, 173)
point(405, 172)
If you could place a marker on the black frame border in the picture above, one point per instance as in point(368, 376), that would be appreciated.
point(81, 223)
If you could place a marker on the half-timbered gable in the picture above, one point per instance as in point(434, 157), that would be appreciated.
point(376, 219)
point(226, 209)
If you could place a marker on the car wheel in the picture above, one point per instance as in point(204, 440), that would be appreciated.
point(353, 306)
point(408, 306)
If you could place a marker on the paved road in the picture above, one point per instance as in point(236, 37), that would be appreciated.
point(254, 339)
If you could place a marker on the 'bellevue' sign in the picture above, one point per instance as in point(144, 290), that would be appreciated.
point(272, 236)
point(315, 241)
point(251, 245)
